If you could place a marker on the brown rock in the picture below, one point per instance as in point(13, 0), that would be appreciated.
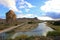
point(10, 17)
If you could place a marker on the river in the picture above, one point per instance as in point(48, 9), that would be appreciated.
point(41, 30)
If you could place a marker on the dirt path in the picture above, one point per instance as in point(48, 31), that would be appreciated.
point(11, 28)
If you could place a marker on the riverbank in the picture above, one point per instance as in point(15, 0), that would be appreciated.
point(6, 26)
point(26, 27)
point(26, 37)
point(55, 27)
point(34, 30)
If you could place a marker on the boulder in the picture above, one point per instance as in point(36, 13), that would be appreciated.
point(10, 17)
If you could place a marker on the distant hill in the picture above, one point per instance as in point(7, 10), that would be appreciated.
point(2, 20)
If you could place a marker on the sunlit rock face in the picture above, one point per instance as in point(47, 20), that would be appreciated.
point(10, 17)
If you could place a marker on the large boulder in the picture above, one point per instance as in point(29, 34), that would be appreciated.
point(10, 17)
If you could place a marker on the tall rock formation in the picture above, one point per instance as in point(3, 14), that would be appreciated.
point(10, 17)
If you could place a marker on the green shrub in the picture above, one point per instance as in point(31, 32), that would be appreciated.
point(53, 33)
point(56, 23)
point(16, 24)
point(30, 22)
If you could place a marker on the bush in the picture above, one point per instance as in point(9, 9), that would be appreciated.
point(16, 24)
point(56, 23)
point(30, 22)
point(53, 33)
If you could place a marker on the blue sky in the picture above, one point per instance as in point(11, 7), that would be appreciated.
point(31, 8)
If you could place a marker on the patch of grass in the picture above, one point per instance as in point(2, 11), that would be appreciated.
point(30, 22)
point(53, 33)
point(27, 27)
point(5, 25)
point(25, 37)
point(55, 27)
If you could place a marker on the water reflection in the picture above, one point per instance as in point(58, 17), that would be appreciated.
point(41, 30)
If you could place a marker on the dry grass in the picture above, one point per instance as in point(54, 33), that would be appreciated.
point(27, 27)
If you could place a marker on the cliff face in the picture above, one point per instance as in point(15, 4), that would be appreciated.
point(10, 16)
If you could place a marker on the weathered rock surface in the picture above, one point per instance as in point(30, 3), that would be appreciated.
point(10, 17)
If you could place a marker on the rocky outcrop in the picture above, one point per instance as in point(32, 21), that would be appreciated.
point(10, 17)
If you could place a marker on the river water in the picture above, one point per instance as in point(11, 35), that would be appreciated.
point(41, 30)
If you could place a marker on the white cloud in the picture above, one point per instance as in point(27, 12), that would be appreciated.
point(45, 18)
point(51, 6)
point(26, 5)
point(27, 10)
point(11, 4)
point(26, 15)
point(29, 5)
point(21, 7)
